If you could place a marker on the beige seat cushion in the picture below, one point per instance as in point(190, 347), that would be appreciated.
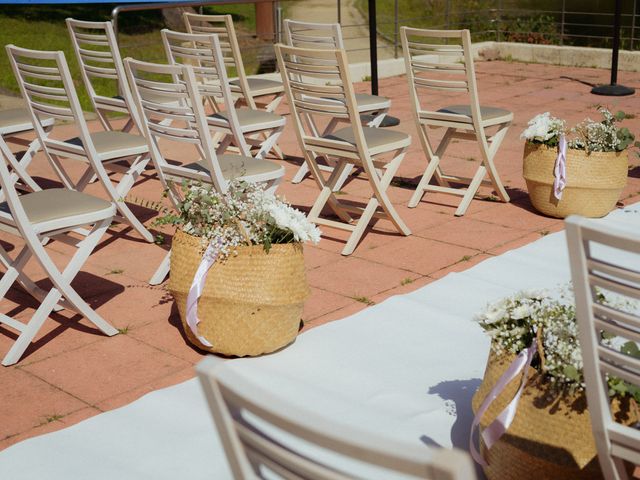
point(488, 113)
point(376, 138)
point(259, 86)
point(234, 166)
point(58, 203)
point(17, 120)
point(111, 145)
point(369, 102)
point(249, 118)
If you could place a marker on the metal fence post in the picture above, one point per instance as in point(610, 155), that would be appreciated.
point(396, 29)
point(446, 14)
point(278, 22)
point(339, 9)
point(499, 21)
point(633, 23)
point(562, 20)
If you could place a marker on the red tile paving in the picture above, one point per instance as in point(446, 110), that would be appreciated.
point(73, 372)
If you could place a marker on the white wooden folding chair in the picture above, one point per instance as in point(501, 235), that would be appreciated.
point(266, 437)
point(248, 89)
point(14, 123)
point(36, 218)
point(47, 87)
point(373, 108)
point(441, 62)
point(244, 127)
point(311, 77)
point(149, 82)
point(98, 55)
point(595, 268)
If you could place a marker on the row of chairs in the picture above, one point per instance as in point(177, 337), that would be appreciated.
point(266, 437)
point(170, 101)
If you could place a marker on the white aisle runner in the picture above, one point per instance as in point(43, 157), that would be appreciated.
point(406, 368)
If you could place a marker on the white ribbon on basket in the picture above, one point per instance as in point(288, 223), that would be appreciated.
point(501, 424)
point(560, 169)
point(197, 287)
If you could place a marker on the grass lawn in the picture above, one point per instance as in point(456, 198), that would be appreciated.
point(42, 28)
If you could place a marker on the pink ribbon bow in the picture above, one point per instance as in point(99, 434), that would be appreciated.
point(501, 424)
point(560, 169)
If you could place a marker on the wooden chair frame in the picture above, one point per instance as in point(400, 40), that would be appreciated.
point(329, 35)
point(246, 87)
point(61, 103)
point(190, 127)
point(35, 236)
point(98, 55)
point(310, 77)
point(616, 443)
point(248, 418)
point(423, 73)
point(204, 53)
point(12, 134)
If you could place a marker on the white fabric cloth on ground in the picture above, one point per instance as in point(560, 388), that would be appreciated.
point(406, 368)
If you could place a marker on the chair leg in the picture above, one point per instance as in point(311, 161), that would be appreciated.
point(380, 188)
point(119, 193)
point(488, 155)
point(472, 189)
point(361, 226)
point(269, 142)
point(31, 328)
point(62, 286)
point(301, 173)
point(163, 270)
point(433, 163)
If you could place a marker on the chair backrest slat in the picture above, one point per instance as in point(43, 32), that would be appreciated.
point(260, 430)
point(606, 262)
point(148, 81)
point(313, 35)
point(203, 53)
point(435, 60)
point(98, 55)
point(222, 26)
point(42, 82)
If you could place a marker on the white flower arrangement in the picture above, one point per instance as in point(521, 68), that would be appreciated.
point(246, 214)
point(588, 135)
point(545, 129)
point(515, 322)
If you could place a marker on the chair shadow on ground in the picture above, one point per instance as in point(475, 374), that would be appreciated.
point(96, 291)
point(457, 395)
point(635, 172)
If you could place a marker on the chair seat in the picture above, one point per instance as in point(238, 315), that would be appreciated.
point(110, 145)
point(489, 114)
point(234, 166)
point(379, 140)
point(259, 86)
point(17, 120)
point(54, 206)
point(249, 119)
point(368, 103)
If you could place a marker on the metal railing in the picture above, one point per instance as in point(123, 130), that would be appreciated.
point(495, 21)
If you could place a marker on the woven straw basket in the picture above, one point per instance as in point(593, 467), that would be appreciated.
point(594, 181)
point(251, 304)
point(548, 439)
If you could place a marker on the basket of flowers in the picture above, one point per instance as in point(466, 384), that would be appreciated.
point(534, 372)
point(581, 170)
point(237, 268)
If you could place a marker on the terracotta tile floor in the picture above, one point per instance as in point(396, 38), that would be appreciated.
point(71, 372)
